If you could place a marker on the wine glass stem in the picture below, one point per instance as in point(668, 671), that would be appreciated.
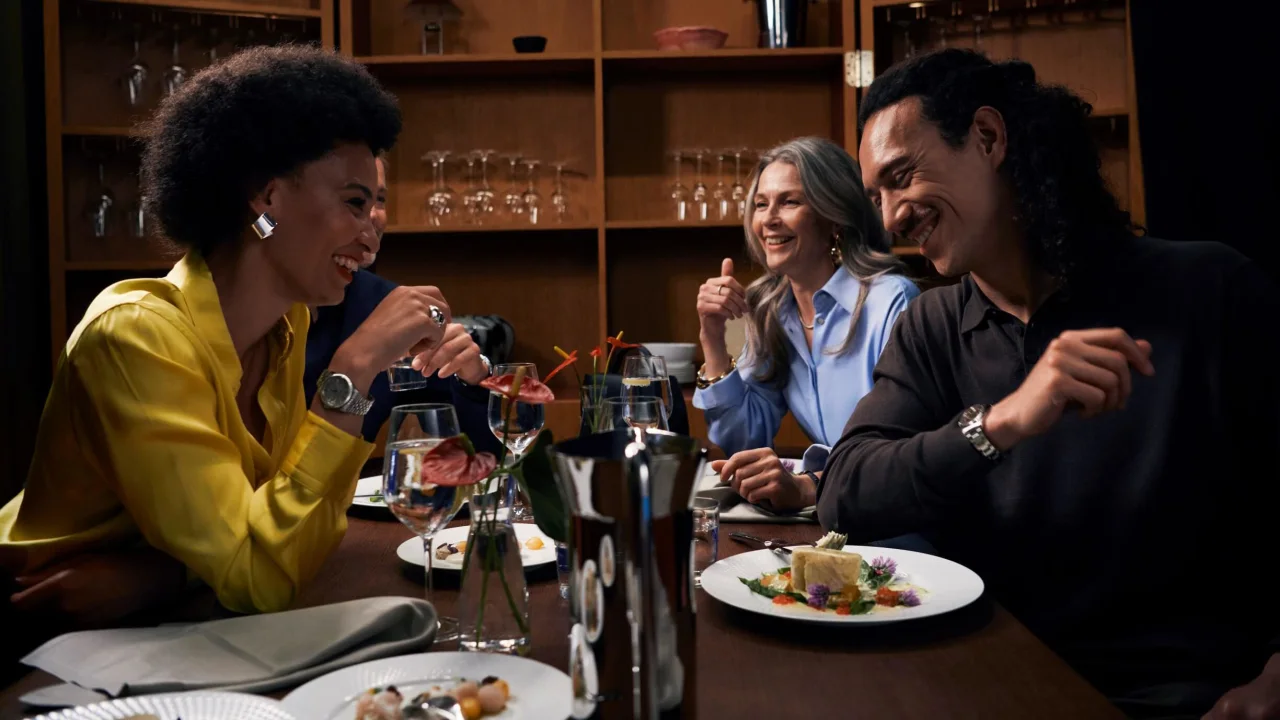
point(426, 550)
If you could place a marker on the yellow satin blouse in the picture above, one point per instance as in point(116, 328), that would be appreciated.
point(141, 437)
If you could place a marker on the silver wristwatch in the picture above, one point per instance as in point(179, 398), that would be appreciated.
point(971, 425)
point(338, 393)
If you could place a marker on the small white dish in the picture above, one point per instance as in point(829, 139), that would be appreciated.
point(410, 550)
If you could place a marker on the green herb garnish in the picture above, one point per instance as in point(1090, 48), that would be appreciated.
point(759, 588)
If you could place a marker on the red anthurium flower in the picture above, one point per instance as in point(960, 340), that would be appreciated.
point(596, 352)
point(530, 391)
point(455, 462)
point(569, 359)
point(617, 344)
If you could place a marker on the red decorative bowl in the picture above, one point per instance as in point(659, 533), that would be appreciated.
point(690, 38)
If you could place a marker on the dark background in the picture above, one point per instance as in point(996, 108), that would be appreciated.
point(1206, 111)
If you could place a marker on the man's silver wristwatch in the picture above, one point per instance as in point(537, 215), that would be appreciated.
point(339, 394)
point(971, 425)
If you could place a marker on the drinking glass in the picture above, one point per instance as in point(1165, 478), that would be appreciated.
point(401, 376)
point(470, 199)
point(484, 193)
point(516, 424)
point(513, 198)
point(532, 200)
point(412, 431)
point(100, 205)
point(177, 73)
point(739, 192)
point(646, 376)
point(440, 201)
point(135, 78)
point(700, 204)
point(706, 536)
point(559, 200)
point(644, 413)
point(680, 193)
point(721, 191)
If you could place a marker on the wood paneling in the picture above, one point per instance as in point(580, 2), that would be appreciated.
point(630, 24)
point(486, 26)
point(648, 117)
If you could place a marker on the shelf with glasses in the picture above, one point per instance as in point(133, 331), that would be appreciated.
point(101, 131)
point(227, 7)
point(482, 64)
point(725, 59)
point(550, 226)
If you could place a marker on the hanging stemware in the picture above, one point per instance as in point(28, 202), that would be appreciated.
point(177, 73)
point(135, 78)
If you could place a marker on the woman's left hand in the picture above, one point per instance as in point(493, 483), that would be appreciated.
point(98, 590)
point(758, 475)
point(456, 354)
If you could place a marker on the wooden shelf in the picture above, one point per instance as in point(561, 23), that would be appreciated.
point(482, 64)
point(226, 7)
point(101, 131)
point(91, 265)
point(670, 224)
point(1109, 112)
point(551, 226)
point(729, 59)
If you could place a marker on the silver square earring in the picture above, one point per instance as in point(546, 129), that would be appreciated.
point(264, 226)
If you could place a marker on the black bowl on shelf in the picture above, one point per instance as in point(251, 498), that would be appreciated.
point(529, 43)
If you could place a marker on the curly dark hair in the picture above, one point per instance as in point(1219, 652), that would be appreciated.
point(260, 114)
point(1052, 162)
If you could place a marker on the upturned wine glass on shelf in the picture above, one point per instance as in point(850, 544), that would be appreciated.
point(700, 193)
point(679, 194)
point(424, 507)
point(440, 200)
point(484, 192)
point(532, 199)
point(523, 421)
point(739, 192)
point(470, 200)
point(559, 200)
point(721, 191)
point(100, 204)
point(513, 198)
point(135, 77)
point(177, 73)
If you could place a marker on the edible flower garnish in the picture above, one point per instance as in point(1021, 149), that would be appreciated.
point(881, 571)
point(818, 595)
point(909, 598)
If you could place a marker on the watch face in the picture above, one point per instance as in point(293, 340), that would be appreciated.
point(335, 391)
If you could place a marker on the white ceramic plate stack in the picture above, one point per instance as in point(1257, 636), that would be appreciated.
point(537, 690)
point(947, 586)
point(679, 357)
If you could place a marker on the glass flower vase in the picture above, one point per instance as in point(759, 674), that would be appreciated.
point(493, 604)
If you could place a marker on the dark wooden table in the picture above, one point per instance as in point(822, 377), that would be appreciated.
point(976, 662)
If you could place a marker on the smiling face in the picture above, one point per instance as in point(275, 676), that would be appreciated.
point(794, 238)
point(325, 224)
point(942, 199)
point(380, 203)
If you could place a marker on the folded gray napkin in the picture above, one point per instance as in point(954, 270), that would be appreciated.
point(735, 508)
point(254, 653)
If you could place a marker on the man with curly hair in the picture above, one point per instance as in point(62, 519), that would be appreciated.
point(1089, 417)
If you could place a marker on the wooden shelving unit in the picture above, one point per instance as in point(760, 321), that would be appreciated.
point(245, 8)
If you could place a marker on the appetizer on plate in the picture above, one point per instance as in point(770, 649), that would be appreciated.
point(477, 700)
point(823, 579)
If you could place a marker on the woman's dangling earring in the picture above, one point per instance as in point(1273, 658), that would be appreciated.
point(264, 226)
point(837, 256)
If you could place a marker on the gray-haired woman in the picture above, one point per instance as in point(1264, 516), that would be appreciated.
point(817, 320)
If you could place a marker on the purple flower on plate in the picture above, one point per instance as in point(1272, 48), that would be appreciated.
point(884, 566)
point(818, 595)
point(909, 598)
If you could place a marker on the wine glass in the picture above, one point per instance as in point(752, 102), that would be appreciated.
point(100, 204)
point(739, 193)
point(177, 73)
point(644, 413)
point(440, 201)
point(425, 508)
point(135, 78)
point(721, 191)
point(470, 200)
point(680, 193)
point(516, 424)
point(559, 200)
point(484, 193)
point(646, 376)
point(699, 188)
point(513, 198)
point(532, 200)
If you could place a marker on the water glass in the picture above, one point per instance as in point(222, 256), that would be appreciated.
point(516, 424)
point(412, 432)
point(493, 599)
point(635, 412)
point(402, 376)
point(563, 569)
point(706, 536)
point(646, 376)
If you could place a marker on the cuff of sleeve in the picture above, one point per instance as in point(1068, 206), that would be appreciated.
point(324, 459)
point(814, 458)
point(470, 393)
point(728, 391)
point(948, 448)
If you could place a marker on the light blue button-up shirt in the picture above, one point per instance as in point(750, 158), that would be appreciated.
point(822, 388)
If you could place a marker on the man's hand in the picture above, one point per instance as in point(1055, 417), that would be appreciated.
point(457, 354)
point(1259, 700)
point(99, 590)
point(758, 475)
point(1085, 369)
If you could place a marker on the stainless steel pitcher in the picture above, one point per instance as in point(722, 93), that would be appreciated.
point(782, 22)
point(632, 652)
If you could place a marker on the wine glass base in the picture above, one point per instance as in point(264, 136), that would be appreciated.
point(448, 630)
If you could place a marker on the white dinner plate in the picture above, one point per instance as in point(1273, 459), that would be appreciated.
point(410, 550)
point(538, 691)
point(369, 493)
point(200, 705)
point(947, 586)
